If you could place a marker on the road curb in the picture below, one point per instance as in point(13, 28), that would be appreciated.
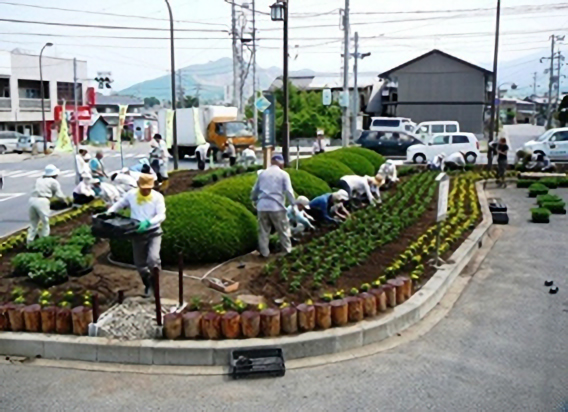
point(216, 353)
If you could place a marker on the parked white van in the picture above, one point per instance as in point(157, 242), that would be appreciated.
point(553, 143)
point(447, 144)
point(9, 141)
point(392, 124)
point(425, 130)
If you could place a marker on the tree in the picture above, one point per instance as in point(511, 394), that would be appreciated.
point(188, 101)
point(151, 102)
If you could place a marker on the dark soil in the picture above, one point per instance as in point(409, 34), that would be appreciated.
point(181, 181)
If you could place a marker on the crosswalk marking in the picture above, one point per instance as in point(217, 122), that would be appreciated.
point(22, 174)
point(13, 172)
point(67, 173)
point(8, 196)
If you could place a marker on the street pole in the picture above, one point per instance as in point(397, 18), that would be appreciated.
point(355, 89)
point(560, 58)
point(42, 91)
point(534, 83)
point(173, 69)
point(494, 86)
point(286, 120)
point(235, 52)
point(345, 125)
point(254, 110)
point(550, 83)
point(75, 118)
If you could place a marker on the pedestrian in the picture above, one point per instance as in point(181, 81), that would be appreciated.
point(231, 152)
point(83, 192)
point(46, 187)
point(502, 154)
point(82, 160)
point(359, 186)
point(298, 218)
point(97, 166)
point(455, 161)
point(324, 208)
point(249, 156)
point(271, 189)
point(139, 134)
point(388, 172)
point(201, 155)
point(124, 181)
point(159, 160)
point(147, 207)
point(319, 144)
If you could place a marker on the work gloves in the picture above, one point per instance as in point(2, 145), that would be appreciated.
point(143, 226)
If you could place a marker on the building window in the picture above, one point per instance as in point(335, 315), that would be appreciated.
point(4, 88)
point(65, 93)
point(31, 89)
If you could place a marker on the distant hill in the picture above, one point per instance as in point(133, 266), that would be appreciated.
point(209, 80)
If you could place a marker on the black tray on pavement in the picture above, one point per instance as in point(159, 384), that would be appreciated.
point(497, 205)
point(257, 363)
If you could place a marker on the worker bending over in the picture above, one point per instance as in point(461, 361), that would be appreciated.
point(83, 192)
point(388, 172)
point(248, 156)
point(357, 187)
point(271, 189)
point(201, 155)
point(297, 216)
point(437, 163)
point(148, 207)
point(46, 187)
point(329, 207)
point(124, 181)
point(455, 161)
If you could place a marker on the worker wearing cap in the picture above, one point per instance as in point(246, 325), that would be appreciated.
point(83, 192)
point(323, 208)
point(388, 172)
point(359, 186)
point(82, 160)
point(298, 218)
point(148, 207)
point(249, 156)
point(319, 144)
point(272, 188)
point(46, 187)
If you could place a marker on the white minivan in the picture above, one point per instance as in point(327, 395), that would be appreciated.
point(392, 124)
point(553, 143)
point(448, 144)
point(425, 130)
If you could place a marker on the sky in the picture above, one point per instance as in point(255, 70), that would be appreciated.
point(392, 31)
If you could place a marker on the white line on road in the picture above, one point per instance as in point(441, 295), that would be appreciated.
point(24, 174)
point(8, 196)
point(67, 173)
point(13, 172)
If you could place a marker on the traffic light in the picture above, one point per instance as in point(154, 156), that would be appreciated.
point(104, 81)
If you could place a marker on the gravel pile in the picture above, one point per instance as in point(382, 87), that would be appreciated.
point(133, 320)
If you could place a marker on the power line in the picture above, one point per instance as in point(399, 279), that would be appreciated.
point(559, 5)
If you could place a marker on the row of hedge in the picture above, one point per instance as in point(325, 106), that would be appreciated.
point(218, 223)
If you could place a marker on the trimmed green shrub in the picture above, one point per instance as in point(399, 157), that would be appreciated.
point(376, 159)
point(562, 182)
point(355, 162)
point(217, 174)
point(547, 198)
point(326, 168)
point(524, 183)
point(44, 245)
point(47, 272)
point(237, 188)
point(537, 189)
point(540, 215)
point(306, 184)
point(558, 207)
point(550, 182)
point(74, 259)
point(204, 226)
point(23, 262)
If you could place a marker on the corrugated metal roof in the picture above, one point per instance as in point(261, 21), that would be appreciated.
point(118, 100)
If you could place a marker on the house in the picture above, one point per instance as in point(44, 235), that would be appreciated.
point(20, 90)
point(99, 132)
point(108, 107)
point(439, 86)
point(524, 112)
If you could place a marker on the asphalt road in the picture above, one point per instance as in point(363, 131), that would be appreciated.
point(501, 348)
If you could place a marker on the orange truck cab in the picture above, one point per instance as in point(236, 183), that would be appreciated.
point(221, 129)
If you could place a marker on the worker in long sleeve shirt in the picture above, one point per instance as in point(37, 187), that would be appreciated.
point(269, 193)
point(159, 159)
point(388, 173)
point(299, 220)
point(149, 208)
point(437, 163)
point(82, 160)
point(107, 192)
point(454, 161)
point(124, 181)
point(46, 187)
point(83, 192)
point(201, 155)
point(323, 207)
point(359, 186)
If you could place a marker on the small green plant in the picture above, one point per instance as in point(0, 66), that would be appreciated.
point(327, 297)
point(48, 272)
point(340, 294)
point(17, 292)
point(354, 292)
point(73, 258)
point(537, 189)
point(547, 198)
point(45, 245)
point(84, 242)
point(20, 300)
point(23, 262)
point(83, 230)
point(558, 207)
point(45, 298)
point(195, 303)
point(550, 182)
point(540, 215)
point(524, 183)
point(365, 287)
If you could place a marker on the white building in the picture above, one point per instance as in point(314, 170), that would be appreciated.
point(20, 89)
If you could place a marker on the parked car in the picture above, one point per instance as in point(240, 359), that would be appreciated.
point(392, 124)
point(9, 141)
point(553, 143)
point(425, 130)
point(445, 143)
point(27, 143)
point(387, 143)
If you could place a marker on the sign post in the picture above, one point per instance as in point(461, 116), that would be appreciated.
point(443, 194)
point(268, 127)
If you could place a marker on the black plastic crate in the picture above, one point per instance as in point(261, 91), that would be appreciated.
point(257, 363)
point(497, 205)
point(500, 218)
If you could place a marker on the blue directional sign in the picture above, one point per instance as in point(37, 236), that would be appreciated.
point(269, 121)
point(262, 103)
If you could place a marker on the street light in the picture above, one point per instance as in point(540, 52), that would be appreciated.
point(279, 12)
point(43, 97)
point(173, 69)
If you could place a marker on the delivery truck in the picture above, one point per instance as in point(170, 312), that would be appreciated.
point(214, 124)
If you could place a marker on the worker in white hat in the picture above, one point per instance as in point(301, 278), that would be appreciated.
point(329, 207)
point(124, 181)
point(359, 186)
point(319, 145)
point(388, 172)
point(46, 187)
point(297, 216)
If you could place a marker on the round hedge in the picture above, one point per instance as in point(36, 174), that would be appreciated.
point(376, 159)
point(326, 168)
point(237, 188)
point(306, 184)
point(206, 227)
point(358, 164)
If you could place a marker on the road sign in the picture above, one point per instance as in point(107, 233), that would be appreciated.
point(269, 122)
point(326, 97)
point(344, 99)
point(262, 103)
point(443, 192)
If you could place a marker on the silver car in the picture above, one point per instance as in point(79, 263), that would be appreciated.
point(9, 141)
point(27, 144)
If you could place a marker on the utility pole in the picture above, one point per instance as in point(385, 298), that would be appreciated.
point(286, 119)
point(254, 110)
point(173, 76)
point(75, 119)
point(492, 123)
point(534, 83)
point(235, 53)
point(345, 122)
point(181, 91)
point(550, 83)
point(356, 98)
point(560, 60)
